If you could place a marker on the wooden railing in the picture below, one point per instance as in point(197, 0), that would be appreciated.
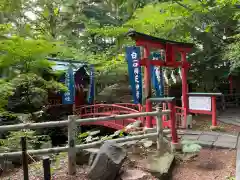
point(72, 123)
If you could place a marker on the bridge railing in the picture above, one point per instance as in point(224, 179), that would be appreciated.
point(72, 124)
point(99, 110)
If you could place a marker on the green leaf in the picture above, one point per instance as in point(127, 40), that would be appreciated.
point(56, 11)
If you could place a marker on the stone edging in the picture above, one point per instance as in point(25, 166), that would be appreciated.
point(210, 139)
point(238, 158)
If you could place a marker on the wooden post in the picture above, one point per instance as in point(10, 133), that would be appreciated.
point(46, 168)
point(24, 158)
point(184, 88)
point(214, 111)
point(159, 129)
point(71, 144)
point(173, 122)
point(223, 103)
point(148, 87)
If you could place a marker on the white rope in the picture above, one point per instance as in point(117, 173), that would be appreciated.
point(173, 77)
point(180, 72)
point(165, 76)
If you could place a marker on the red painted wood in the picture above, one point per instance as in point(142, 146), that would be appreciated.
point(170, 54)
point(142, 42)
point(200, 112)
point(148, 86)
point(101, 110)
point(184, 88)
point(173, 122)
point(182, 49)
point(214, 111)
point(143, 61)
point(79, 97)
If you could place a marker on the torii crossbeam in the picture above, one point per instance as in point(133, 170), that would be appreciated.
point(171, 48)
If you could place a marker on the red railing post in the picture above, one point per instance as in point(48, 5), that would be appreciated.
point(164, 117)
point(148, 109)
point(214, 111)
point(173, 122)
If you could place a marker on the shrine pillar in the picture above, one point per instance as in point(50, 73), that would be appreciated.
point(147, 85)
point(184, 71)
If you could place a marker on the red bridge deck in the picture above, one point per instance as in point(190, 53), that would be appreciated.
point(100, 110)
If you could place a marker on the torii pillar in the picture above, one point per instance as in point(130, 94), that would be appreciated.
point(171, 48)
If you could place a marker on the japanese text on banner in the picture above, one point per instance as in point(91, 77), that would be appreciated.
point(69, 82)
point(134, 70)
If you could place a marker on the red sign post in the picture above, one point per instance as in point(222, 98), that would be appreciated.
point(204, 103)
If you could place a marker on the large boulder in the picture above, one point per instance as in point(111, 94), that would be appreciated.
point(108, 162)
point(86, 156)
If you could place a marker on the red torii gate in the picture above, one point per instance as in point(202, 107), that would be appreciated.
point(171, 48)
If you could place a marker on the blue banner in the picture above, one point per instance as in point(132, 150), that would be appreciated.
point(68, 97)
point(133, 56)
point(92, 86)
point(157, 76)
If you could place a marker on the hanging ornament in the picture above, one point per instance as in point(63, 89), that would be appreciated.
point(180, 73)
point(157, 71)
point(165, 76)
point(173, 77)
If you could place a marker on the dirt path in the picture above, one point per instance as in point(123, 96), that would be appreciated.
point(210, 164)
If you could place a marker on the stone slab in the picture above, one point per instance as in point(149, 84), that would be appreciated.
point(208, 138)
point(238, 145)
point(232, 122)
point(208, 144)
point(160, 166)
point(225, 145)
point(190, 137)
point(190, 132)
point(134, 174)
point(227, 138)
point(211, 133)
point(170, 136)
point(238, 160)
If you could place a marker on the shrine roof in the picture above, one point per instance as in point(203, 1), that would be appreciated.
point(137, 35)
point(63, 64)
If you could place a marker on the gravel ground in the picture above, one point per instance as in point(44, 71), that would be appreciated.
point(210, 164)
point(203, 123)
point(60, 170)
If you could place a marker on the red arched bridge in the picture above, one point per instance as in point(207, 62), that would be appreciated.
point(100, 110)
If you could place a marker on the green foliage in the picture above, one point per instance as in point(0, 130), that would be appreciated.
point(232, 52)
point(93, 31)
point(27, 75)
point(230, 178)
point(12, 142)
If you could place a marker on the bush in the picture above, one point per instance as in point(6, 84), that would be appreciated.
point(13, 140)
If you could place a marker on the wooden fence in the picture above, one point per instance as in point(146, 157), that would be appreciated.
point(72, 124)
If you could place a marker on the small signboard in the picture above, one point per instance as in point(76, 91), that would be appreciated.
point(68, 97)
point(200, 103)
